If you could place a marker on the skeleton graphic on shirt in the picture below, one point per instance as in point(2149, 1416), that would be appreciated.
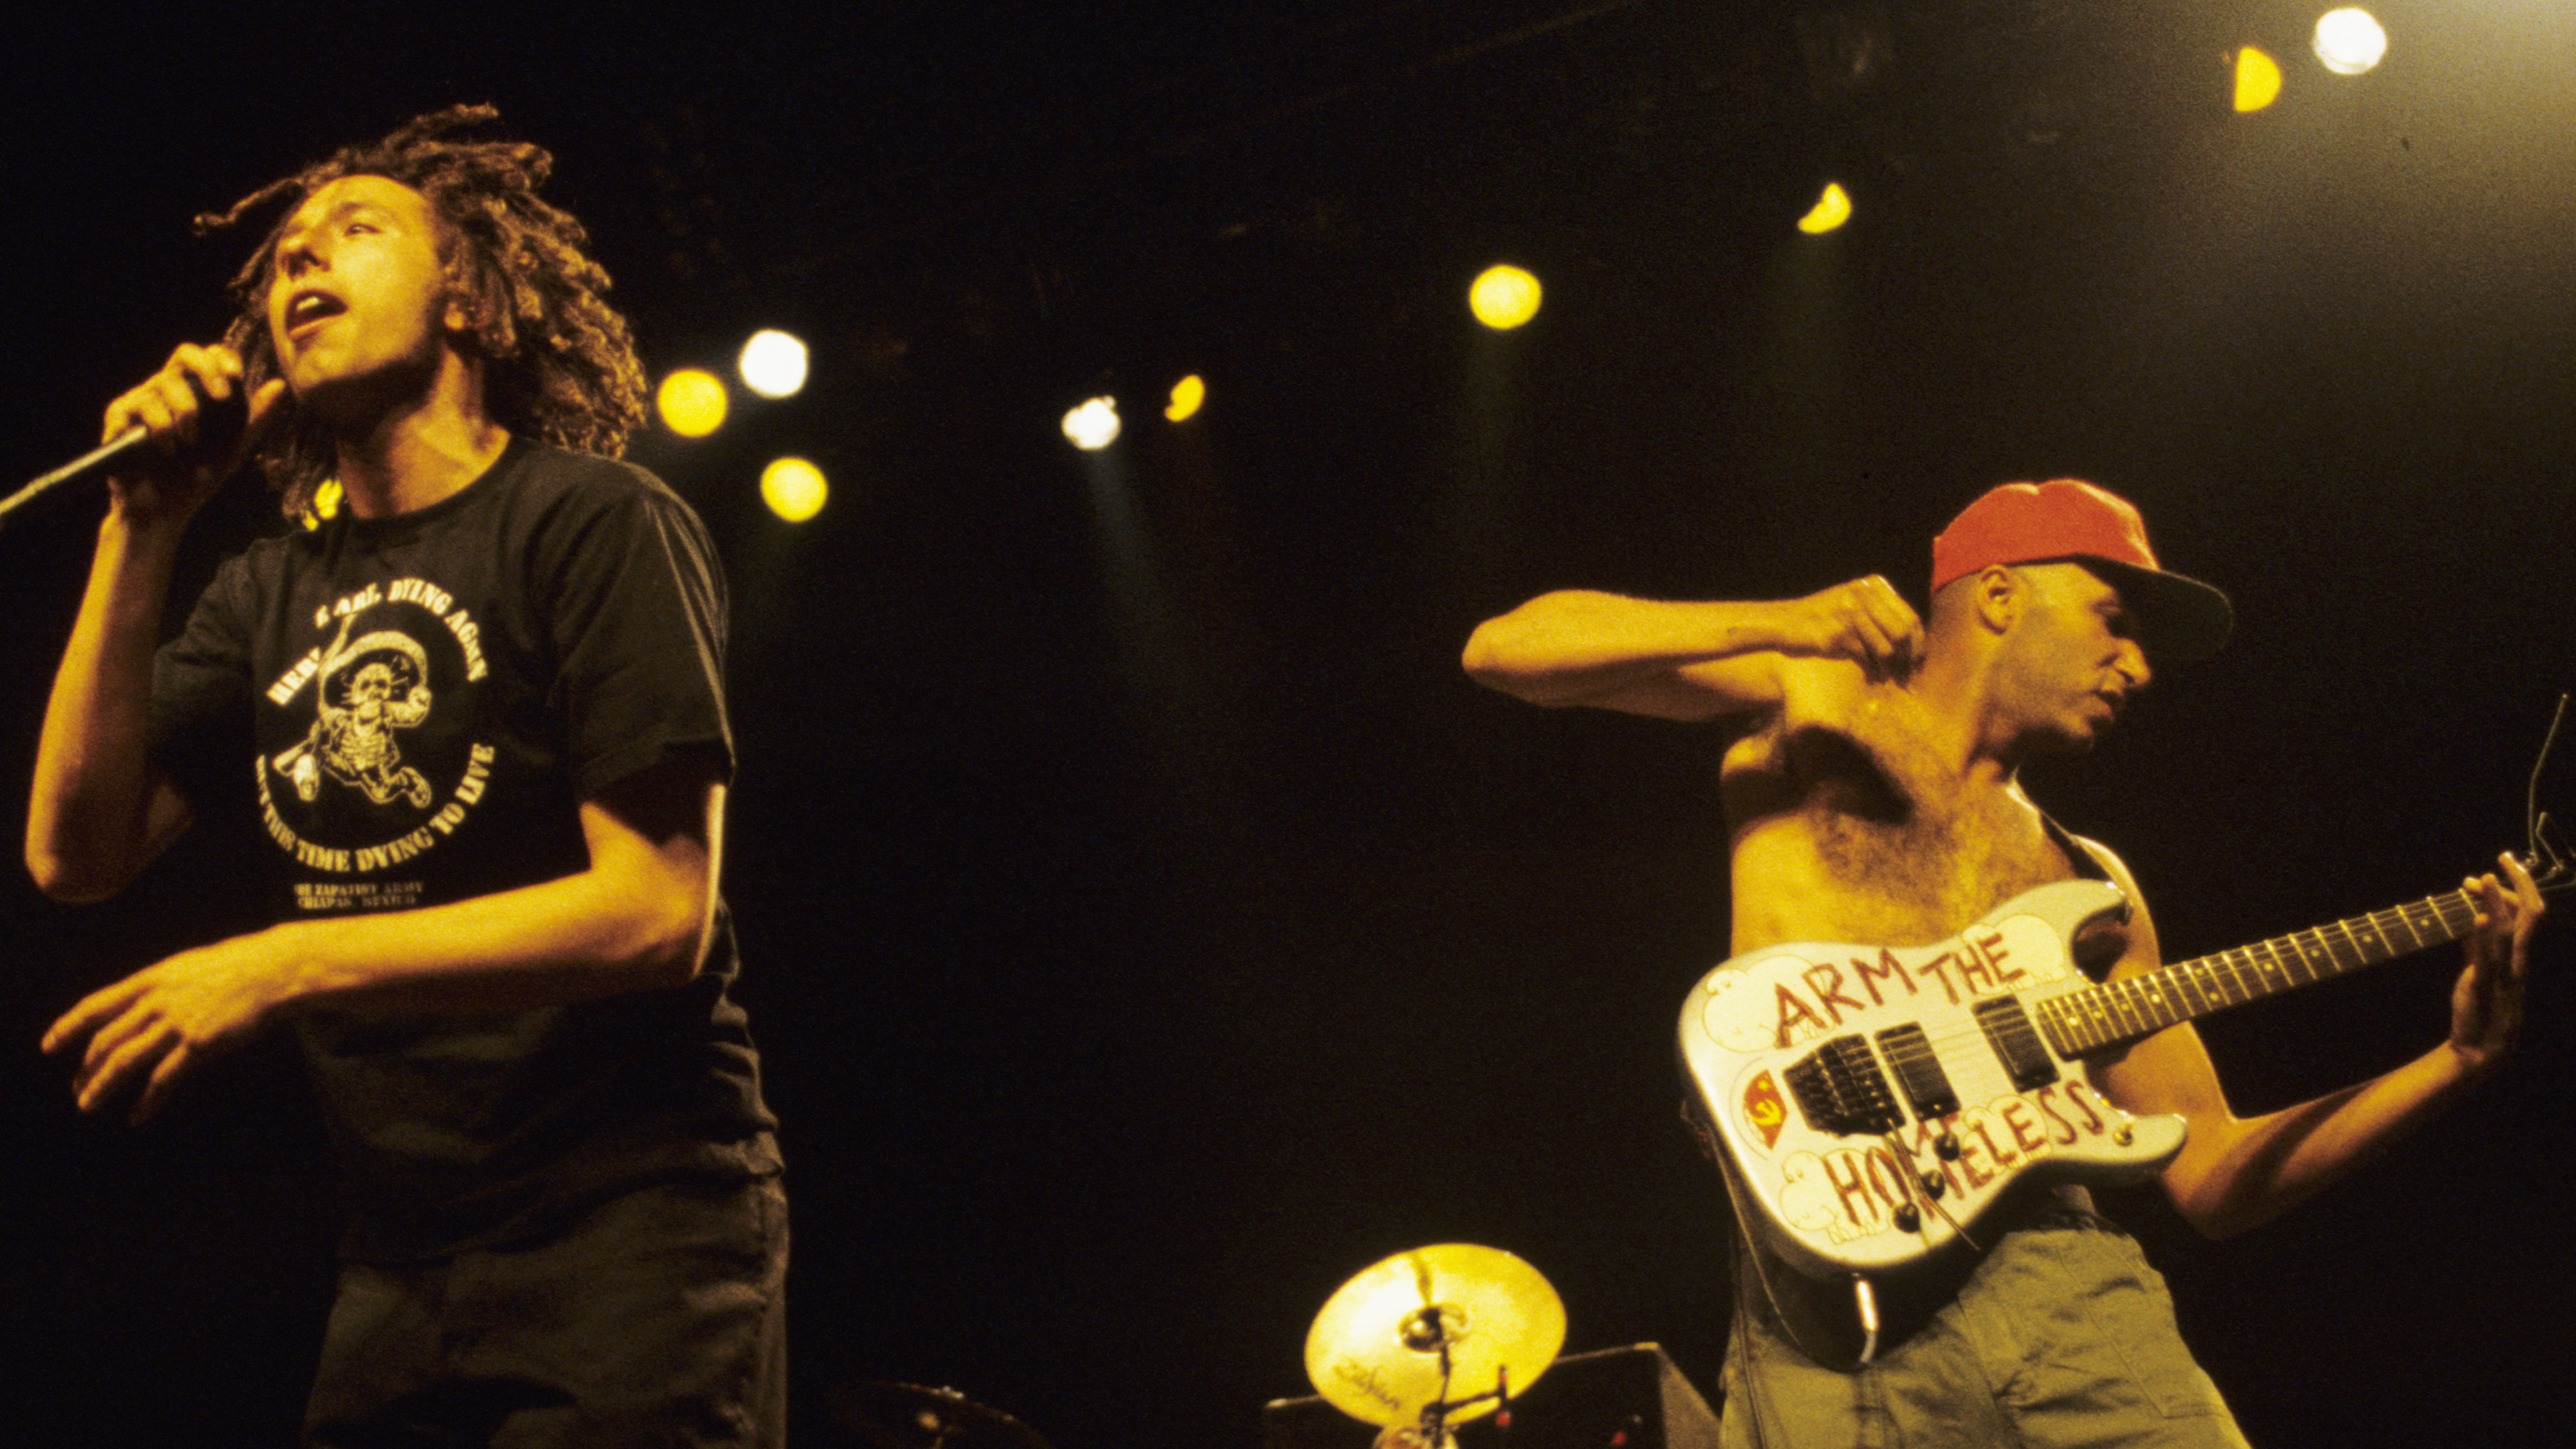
point(367, 690)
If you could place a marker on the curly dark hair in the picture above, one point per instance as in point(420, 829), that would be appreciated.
point(559, 362)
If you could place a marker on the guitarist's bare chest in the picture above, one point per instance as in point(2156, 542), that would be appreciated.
point(1846, 837)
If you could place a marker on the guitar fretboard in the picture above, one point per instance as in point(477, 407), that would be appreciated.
point(2125, 1010)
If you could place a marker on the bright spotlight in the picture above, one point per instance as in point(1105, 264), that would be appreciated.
point(1503, 297)
point(793, 489)
point(692, 402)
point(1830, 211)
point(2349, 41)
point(2258, 79)
point(1094, 425)
point(1188, 396)
point(773, 364)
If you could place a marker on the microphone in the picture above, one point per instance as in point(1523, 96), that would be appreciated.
point(219, 425)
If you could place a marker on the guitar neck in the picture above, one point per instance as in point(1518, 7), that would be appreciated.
point(2137, 1006)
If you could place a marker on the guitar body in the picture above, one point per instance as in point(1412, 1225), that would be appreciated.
point(1872, 1105)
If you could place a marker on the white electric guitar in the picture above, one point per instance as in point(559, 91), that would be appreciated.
point(1871, 1104)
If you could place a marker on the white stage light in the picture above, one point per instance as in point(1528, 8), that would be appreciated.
point(2349, 41)
point(1094, 425)
point(773, 364)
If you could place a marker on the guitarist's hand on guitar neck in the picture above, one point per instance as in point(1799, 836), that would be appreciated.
point(2486, 1004)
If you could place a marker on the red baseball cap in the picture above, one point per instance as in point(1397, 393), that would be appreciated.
point(2069, 520)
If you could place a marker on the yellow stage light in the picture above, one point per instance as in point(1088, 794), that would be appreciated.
point(1504, 297)
point(1830, 211)
point(1188, 396)
point(794, 489)
point(692, 402)
point(2258, 79)
point(325, 505)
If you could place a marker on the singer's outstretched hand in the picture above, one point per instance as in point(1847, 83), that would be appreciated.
point(199, 432)
point(136, 1038)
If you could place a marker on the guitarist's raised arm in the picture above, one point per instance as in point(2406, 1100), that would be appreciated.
point(2236, 1172)
point(1686, 661)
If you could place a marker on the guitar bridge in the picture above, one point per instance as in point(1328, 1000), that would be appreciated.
point(1841, 1090)
point(2017, 1046)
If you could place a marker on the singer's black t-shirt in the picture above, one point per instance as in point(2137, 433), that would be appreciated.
point(412, 711)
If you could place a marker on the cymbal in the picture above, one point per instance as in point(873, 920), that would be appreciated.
point(909, 1416)
point(1374, 1352)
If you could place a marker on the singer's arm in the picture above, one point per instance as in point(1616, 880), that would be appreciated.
point(638, 918)
point(101, 810)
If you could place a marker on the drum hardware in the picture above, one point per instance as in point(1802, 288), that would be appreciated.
point(1396, 1344)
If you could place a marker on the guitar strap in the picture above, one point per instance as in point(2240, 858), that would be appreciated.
point(2076, 855)
point(2086, 867)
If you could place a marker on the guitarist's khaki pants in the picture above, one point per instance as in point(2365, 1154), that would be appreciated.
point(2062, 1337)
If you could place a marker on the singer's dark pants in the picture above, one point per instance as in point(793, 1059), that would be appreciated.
point(657, 1319)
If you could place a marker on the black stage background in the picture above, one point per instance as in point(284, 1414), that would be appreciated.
point(1148, 926)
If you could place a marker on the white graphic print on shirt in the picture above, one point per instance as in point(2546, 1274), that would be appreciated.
point(355, 795)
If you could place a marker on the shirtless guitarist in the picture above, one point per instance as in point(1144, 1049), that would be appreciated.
point(1871, 786)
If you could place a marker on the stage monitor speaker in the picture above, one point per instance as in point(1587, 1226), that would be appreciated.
point(1583, 1401)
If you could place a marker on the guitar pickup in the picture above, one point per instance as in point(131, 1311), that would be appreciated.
point(2017, 1046)
point(1918, 1071)
point(1841, 1090)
